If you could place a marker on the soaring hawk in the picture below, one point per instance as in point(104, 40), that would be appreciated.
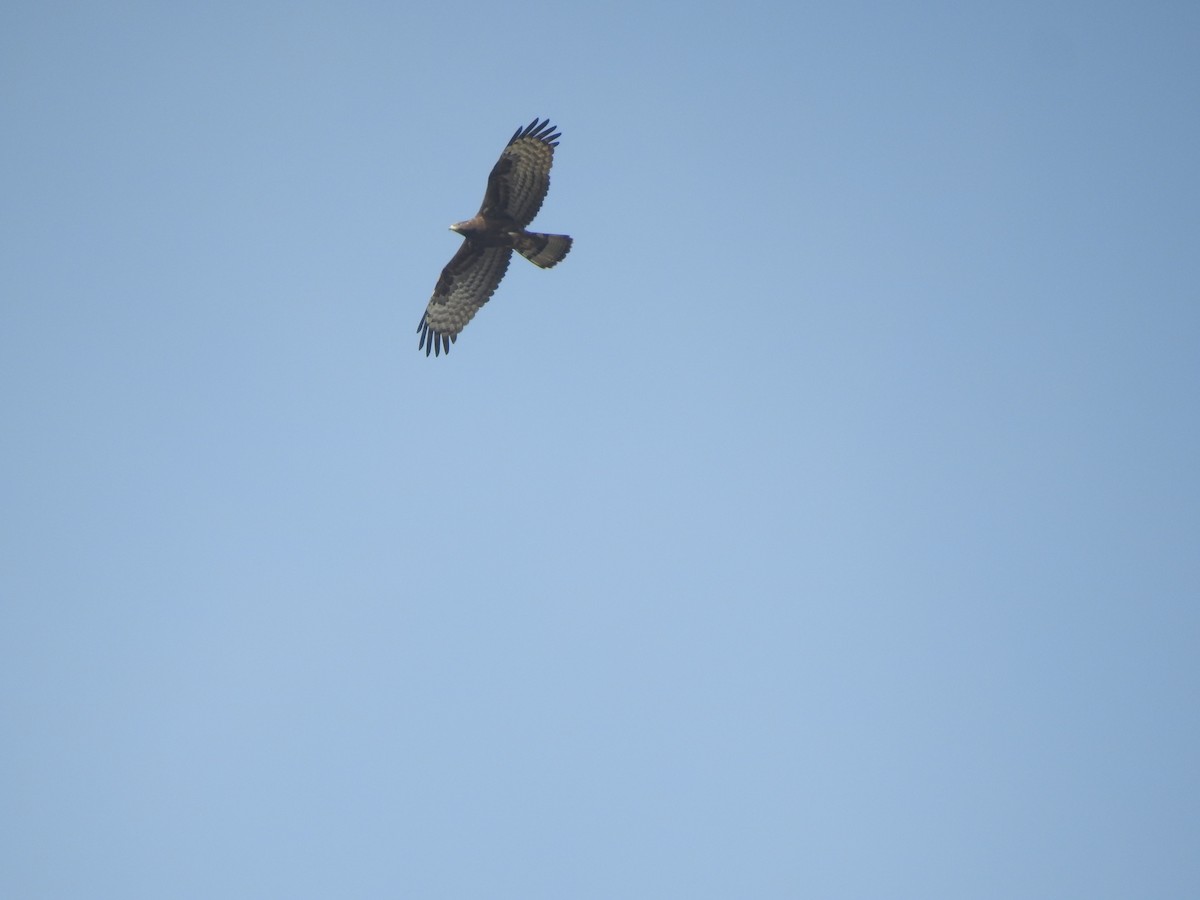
point(515, 191)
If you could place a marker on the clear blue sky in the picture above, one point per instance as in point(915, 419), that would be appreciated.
point(826, 525)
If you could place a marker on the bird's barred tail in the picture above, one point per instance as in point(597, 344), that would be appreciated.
point(543, 250)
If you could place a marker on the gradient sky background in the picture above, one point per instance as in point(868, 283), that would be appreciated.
point(826, 525)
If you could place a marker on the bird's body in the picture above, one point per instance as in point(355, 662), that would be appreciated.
point(516, 188)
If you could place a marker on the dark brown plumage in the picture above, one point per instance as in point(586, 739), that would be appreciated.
point(515, 191)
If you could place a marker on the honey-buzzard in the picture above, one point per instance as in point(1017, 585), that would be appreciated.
point(515, 191)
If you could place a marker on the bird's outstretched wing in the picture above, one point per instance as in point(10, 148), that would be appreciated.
point(467, 282)
point(521, 177)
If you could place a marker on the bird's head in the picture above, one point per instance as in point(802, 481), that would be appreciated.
point(467, 228)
